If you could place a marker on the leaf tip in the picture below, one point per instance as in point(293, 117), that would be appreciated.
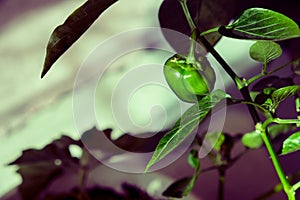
point(147, 168)
point(44, 72)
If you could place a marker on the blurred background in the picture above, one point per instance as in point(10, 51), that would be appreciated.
point(35, 111)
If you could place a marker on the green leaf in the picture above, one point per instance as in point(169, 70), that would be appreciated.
point(185, 126)
point(184, 186)
point(252, 140)
point(265, 51)
point(277, 129)
point(261, 24)
point(282, 93)
point(291, 144)
point(65, 35)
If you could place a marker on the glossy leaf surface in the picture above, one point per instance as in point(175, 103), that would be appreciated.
point(261, 24)
point(282, 93)
point(185, 126)
point(265, 51)
point(291, 144)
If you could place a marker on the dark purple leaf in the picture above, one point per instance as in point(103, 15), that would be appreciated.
point(178, 188)
point(271, 82)
point(39, 168)
point(207, 14)
point(65, 35)
point(146, 142)
point(134, 193)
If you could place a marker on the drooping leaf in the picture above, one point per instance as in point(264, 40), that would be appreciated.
point(177, 188)
point(261, 24)
point(65, 35)
point(291, 144)
point(39, 168)
point(99, 192)
point(185, 126)
point(252, 140)
point(141, 144)
point(265, 51)
point(270, 98)
point(171, 16)
point(282, 93)
point(184, 186)
point(133, 192)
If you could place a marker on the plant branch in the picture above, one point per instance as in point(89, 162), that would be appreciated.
point(274, 190)
point(221, 183)
point(258, 76)
point(278, 187)
point(217, 56)
point(296, 186)
point(262, 128)
point(237, 80)
point(187, 15)
point(213, 30)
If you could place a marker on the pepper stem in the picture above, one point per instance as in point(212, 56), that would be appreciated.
point(191, 55)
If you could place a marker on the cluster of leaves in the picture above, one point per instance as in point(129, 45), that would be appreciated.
point(66, 157)
point(266, 26)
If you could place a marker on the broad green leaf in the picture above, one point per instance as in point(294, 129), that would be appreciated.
point(261, 24)
point(65, 35)
point(184, 186)
point(185, 126)
point(282, 93)
point(265, 51)
point(291, 144)
point(252, 140)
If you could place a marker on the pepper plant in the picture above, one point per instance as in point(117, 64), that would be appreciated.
point(192, 79)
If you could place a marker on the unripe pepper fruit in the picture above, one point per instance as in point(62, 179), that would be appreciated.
point(189, 81)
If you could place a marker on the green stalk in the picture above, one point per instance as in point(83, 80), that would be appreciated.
point(191, 55)
point(256, 77)
point(187, 14)
point(213, 30)
point(262, 128)
point(264, 70)
point(296, 186)
point(243, 87)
